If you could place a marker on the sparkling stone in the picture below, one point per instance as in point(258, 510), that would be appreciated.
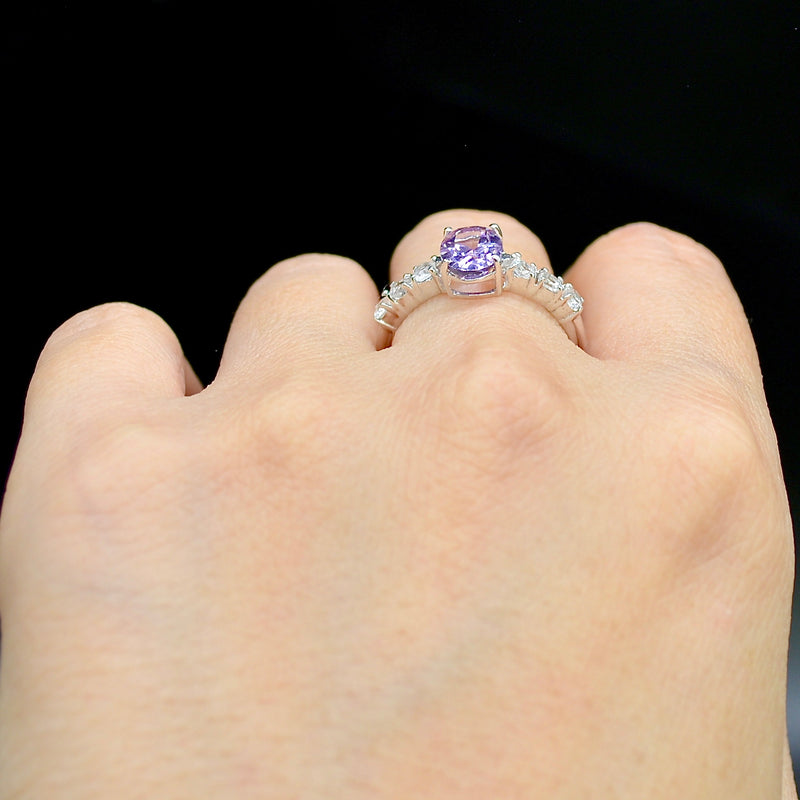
point(575, 303)
point(573, 299)
point(552, 284)
point(380, 313)
point(513, 263)
point(422, 273)
point(396, 291)
point(471, 253)
point(522, 271)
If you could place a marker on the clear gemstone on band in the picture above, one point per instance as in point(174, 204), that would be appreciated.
point(522, 271)
point(380, 313)
point(552, 283)
point(573, 299)
point(422, 273)
point(575, 303)
point(514, 264)
point(396, 291)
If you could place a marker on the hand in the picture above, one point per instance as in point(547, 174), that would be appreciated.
point(481, 563)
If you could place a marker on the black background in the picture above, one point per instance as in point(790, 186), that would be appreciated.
point(166, 153)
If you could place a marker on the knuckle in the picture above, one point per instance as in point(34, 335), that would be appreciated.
point(723, 495)
point(645, 234)
point(88, 334)
point(293, 284)
point(123, 465)
point(501, 407)
point(711, 445)
point(107, 494)
point(665, 246)
point(714, 470)
point(115, 316)
point(298, 426)
point(295, 273)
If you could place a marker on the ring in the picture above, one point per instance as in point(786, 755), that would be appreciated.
point(472, 263)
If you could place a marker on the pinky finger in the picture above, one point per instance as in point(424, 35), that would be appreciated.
point(107, 355)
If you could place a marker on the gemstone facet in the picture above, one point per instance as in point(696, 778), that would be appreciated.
point(421, 273)
point(471, 253)
point(553, 283)
point(573, 299)
point(396, 291)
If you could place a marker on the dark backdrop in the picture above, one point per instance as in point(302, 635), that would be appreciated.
point(166, 153)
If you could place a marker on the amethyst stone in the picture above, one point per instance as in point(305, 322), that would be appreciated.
point(471, 253)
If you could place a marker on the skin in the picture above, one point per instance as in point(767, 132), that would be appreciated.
point(479, 563)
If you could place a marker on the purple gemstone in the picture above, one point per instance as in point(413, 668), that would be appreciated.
point(471, 253)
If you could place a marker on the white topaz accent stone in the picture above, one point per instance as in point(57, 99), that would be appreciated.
point(422, 273)
point(396, 291)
